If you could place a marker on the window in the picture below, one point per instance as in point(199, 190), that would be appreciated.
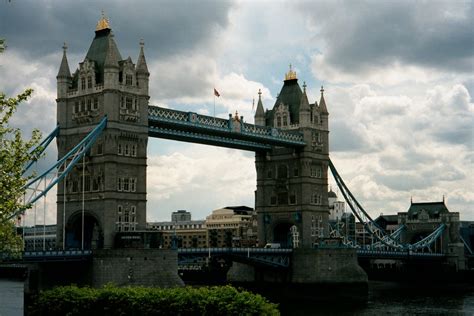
point(279, 121)
point(128, 103)
point(134, 151)
point(76, 107)
point(283, 198)
point(293, 198)
point(128, 80)
point(89, 82)
point(95, 184)
point(126, 184)
point(122, 103)
point(285, 120)
point(75, 186)
point(119, 149)
point(96, 104)
point(126, 153)
point(83, 83)
point(316, 199)
point(100, 148)
point(273, 200)
point(133, 184)
point(296, 172)
point(269, 173)
point(119, 184)
point(316, 171)
point(282, 172)
point(89, 104)
point(135, 103)
point(83, 105)
point(87, 183)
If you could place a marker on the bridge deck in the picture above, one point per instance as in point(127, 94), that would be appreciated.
point(197, 128)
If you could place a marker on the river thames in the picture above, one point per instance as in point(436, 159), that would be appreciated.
point(384, 298)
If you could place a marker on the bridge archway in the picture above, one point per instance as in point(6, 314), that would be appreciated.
point(282, 234)
point(93, 233)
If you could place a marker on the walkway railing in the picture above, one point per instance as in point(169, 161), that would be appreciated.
point(232, 132)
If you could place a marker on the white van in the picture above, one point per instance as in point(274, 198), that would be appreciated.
point(272, 246)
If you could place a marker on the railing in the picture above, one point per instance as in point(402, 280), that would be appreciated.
point(231, 129)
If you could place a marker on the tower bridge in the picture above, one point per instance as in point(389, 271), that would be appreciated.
point(105, 122)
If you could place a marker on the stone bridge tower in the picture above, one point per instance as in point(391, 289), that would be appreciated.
point(291, 198)
point(110, 186)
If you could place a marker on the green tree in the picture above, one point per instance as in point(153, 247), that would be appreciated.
point(15, 153)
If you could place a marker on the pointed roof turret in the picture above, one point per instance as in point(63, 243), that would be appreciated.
point(141, 63)
point(103, 46)
point(260, 111)
point(64, 71)
point(304, 103)
point(113, 56)
point(322, 103)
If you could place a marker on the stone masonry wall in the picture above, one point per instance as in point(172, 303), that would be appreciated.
point(146, 267)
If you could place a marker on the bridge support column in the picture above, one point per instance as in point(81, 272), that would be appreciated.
point(455, 256)
point(145, 267)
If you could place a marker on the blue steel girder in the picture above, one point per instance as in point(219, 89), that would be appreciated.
point(193, 127)
point(276, 258)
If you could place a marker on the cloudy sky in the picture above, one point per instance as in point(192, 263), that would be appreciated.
point(398, 79)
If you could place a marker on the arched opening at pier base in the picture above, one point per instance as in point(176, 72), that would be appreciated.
point(282, 235)
point(93, 236)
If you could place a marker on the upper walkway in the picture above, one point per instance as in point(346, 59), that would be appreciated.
point(231, 133)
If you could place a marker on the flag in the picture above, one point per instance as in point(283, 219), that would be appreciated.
point(216, 93)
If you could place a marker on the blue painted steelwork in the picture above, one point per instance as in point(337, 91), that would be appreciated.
point(59, 170)
point(466, 245)
point(277, 258)
point(382, 238)
point(401, 254)
point(42, 147)
point(49, 256)
point(234, 133)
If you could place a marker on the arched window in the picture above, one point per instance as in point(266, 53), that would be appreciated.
point(295, 236)
point(282, 172)
point(278, 121)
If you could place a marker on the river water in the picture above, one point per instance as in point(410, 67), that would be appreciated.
point(389, 298)
point(385, 298)
point(11, 297)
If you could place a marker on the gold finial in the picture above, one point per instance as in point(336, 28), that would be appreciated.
point(322, 90)
point(290, 75)
point(103, 23)
point(259, 93)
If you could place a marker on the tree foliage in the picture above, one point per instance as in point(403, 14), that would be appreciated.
point(15, 153)
point(110, 300)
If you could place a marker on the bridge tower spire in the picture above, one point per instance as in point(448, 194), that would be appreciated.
point(260, 113)
point(292, 184)
point(114, 173)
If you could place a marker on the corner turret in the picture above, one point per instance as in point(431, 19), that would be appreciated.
point(260, 113)
point(142, 70)
point(64, 78)
point(305, 110)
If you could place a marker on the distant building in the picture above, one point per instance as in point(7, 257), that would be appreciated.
point(181, 215)
point(232, 226)
point(336, 208)
point(389, 223)
point(39, 237)
point(181, 231)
